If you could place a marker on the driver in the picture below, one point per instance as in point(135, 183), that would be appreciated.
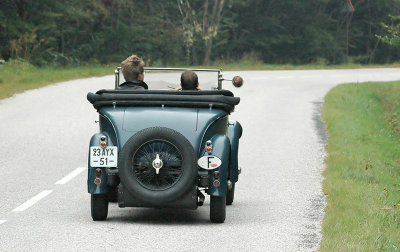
point(132, 69)
point(189, 81)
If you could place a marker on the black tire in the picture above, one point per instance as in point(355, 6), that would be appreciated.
point(230, 194)
point(99, 206)
point(217, 209)
point(137, 172)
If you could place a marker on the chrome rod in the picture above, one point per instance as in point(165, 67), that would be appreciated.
point(182, 69)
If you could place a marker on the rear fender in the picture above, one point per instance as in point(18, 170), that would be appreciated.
point(221, 149)
point(102, 187)
point(234, 133)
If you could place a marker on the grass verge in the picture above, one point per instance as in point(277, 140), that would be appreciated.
point(18, 76)
point(362, 178)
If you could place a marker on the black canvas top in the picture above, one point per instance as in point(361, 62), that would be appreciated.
point(220, 99)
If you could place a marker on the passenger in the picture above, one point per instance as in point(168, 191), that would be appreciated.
point(189, 81)
point(133, 71)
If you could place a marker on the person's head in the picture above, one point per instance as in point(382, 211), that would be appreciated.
point(132, 68)
point(189, 80)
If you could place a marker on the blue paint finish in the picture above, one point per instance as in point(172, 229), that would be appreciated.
point(206, 119)
point(218, 126)
point(221, 149)
point(234, 133)
point(183, 120)
point(116, 117)
point(139, 118)
point(190, 122)
point(102, 187)
point(106, 126)
point(92, 187)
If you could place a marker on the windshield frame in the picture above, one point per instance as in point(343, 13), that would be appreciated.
point(117, 73)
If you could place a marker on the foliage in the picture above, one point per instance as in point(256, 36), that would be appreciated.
point(393, 32)
point(362, 175)
point(205, 23)
point(74, 32)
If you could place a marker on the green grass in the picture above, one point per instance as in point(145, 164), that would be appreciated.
point(362, 178)
point(18, 76)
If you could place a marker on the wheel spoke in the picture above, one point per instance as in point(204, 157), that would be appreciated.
point(169, 173)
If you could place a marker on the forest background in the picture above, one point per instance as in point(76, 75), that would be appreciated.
point(197, 32)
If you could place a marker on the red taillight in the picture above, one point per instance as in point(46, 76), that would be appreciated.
point(209, 146)
point(103, 141)
point(98, 173)
point(97, 181)
point(216, 175)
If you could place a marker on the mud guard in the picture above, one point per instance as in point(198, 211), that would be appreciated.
point(234, 133)
point(221, 149)
point(102, 187)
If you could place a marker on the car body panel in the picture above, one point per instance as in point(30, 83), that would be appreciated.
point(197, 125)
point(221, 149)
point(234, 133)
point(190, 122)
point(102, 187)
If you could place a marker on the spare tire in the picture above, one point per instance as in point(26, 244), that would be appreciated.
point(158, 165)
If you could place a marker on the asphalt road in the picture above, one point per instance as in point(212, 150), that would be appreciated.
point(278, 203)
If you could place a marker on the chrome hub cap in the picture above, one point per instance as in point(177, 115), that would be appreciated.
point(157, 164)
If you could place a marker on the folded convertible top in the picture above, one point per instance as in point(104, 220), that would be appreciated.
point(220, 99)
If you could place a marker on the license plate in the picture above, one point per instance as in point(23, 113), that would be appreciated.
point(103, 157)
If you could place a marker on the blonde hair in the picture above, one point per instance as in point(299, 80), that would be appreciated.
point(132, 67)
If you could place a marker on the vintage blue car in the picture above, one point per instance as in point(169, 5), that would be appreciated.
point(163, 148)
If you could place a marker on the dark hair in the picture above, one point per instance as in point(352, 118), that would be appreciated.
point(189, 80)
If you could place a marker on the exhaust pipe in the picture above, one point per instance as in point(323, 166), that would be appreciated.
point(201, 198)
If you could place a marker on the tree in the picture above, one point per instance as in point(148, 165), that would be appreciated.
point(349, 10)
point(393, 32)
point(206, 24)
point(272, 31)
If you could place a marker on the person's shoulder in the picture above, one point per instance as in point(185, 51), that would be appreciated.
point(141, 85)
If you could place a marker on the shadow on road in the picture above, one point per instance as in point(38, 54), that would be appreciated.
point(152, 216)
point(319, 124)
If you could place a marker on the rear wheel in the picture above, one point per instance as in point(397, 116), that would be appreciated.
point(217, 209)
point(99, 206)
point(230, 195)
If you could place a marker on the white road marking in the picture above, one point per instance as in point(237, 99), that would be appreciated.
point(32, 201)
point(70, 176)
point(2, 221)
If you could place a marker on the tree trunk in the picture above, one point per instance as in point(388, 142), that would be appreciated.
point(210, 26)
point(207, 53)
point(348, 23)
point(195, 60)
